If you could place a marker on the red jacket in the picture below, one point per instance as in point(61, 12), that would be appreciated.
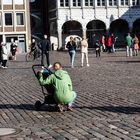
point(109, 40)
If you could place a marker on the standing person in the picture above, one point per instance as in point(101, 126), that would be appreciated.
point(109, 44)
point(13, 49)
point(113, 40)
point(129, 44)
point(4, 55)
point(45, 48)
point(98, 48)
point(62, 85)
point(34, 48)
point(103, 43)
point(84, 51)
point(71, 45)
point(136, 45)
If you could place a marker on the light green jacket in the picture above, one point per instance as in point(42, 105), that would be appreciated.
point(62, 84)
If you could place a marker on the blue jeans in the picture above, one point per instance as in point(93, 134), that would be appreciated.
point(72, 57)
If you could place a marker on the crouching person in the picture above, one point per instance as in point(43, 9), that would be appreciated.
point(63, 92)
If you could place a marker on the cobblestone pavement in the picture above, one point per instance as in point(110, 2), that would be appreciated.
point(107, 106)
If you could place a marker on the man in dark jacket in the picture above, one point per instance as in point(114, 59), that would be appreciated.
point(45, 48)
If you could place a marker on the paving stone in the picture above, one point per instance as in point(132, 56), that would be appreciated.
point(107, 106)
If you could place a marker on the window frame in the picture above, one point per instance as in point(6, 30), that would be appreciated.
point(11, 19)
point(23, 13)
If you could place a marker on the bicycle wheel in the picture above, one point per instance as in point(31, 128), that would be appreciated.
point(29, 57)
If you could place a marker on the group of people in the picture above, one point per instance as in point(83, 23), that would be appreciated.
point(132, 45)
point(4, 53)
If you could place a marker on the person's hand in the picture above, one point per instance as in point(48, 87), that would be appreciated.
point(39, 73)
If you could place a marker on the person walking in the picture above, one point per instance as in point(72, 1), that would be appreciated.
point(4, 55)
point(109, 44)
point(136, 45)
point(113, 40)
point(71, 46)
point(13, 49)
point(103, 43)
point(98, 48)
point(84, 51)
point(129, 44)
point(45, 48)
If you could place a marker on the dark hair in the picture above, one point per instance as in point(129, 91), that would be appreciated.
point(57, 63)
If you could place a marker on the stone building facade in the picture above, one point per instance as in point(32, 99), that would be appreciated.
point(88, 17)
point(15, 23)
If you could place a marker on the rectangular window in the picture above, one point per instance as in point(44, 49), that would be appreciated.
point(66, 3)
point(8, 19)
point(135, 2)
point(19, 2)
point(62, 3)
point(7, 2)
point(100, 2)
point(124, 2)
point(20, 18)
point(88, 2)
point(110, 3)
point(76, 3)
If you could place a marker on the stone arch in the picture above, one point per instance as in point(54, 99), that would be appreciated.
point(97, 28)
point(71, 27)
point(119, 28)
point(136, 27)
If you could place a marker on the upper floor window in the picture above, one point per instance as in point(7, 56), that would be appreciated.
point(135, 2)
point(7, 2)
point(100, 2)
point(64, 3)
point(76, 3)
point(88, 2)
point(112, 2)
point(124, 2)
point(8, 19)
point(19, 2)
point(20, 18)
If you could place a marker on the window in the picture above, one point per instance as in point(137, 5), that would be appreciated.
point(7, 2)
point(88, 2)
point(76, 3)
point(19, 2)
point(100, 2)
point(112, 2)
point(124, 2)
point(8, 19)
point(64, 3)
point(20, 18)
point(135, 2)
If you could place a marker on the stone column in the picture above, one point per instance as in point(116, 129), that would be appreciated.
point(119, 3)
point(60, 38)
point(84, 32)
point(95, 5)
point(83, 5)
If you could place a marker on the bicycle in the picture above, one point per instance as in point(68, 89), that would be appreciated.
point(32, 55)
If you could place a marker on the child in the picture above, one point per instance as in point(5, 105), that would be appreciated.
point(98, 48)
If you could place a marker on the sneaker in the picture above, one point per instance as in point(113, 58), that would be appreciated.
point(69, 108)
point(5, 67)
point(50, 66)
point(60, 108)
point(82, 65)
point(87, 65)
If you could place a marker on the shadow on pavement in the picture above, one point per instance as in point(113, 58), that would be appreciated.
point(30, 107)
point(114, 109)
point(136, 61)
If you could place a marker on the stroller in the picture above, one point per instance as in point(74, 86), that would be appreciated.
point(48, 97)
